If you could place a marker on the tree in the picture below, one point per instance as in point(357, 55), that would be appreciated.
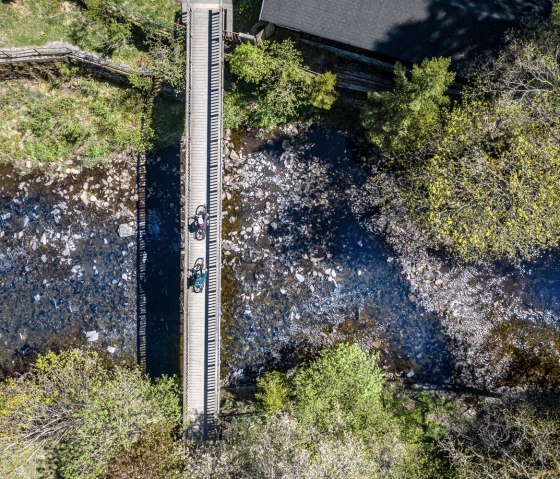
point(483, 180)
point(506, 441)
point(397, 121)
point(490, 187)
point(274, 390)
point(344, 425)
point(74, 413)
point(281, 87)
point(341, 391)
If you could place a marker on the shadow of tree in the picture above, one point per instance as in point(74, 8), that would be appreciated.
point(460, 29)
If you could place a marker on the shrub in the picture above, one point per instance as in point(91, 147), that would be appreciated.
point(274, 390)
point(79, 412)
point(341, 391)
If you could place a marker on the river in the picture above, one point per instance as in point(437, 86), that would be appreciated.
point(305, 266)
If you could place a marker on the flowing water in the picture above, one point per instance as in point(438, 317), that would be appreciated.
point(302, 269)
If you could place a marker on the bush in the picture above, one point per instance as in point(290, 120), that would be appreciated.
point(235, 110)
point(78, 414)
point(506, 441)
point(341, 390)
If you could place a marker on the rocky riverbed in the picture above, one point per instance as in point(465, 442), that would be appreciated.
point(309, 261)
point(66, 276)
point(316, 263)
point(69, 261)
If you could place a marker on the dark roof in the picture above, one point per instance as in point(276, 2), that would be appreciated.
point(406, 29)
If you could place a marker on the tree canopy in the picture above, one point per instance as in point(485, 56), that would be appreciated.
point(78, 414)
point(282, 89)
point(481, 179)
point(398, 120)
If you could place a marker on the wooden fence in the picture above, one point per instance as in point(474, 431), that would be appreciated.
point(22, 61)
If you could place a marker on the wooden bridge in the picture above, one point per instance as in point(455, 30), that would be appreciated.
point(205, 21)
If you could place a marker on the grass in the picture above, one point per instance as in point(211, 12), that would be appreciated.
point(75, 118)
point(158, 12)
point(36, 22)
point(25, 22)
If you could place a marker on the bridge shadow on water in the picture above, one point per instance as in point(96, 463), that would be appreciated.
point(159, 262)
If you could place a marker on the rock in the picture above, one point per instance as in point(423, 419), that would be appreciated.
point(37, 297)
point(44, 258)
point(44, 239)
point(286, 144)
point(412, 298)
point(111, 349)
point(84, 198)
point(438, 282)
point(300, 278)
point(410, 373)
point(66, 252)
point(125, 231)
point(234, 156)
point(92, 336)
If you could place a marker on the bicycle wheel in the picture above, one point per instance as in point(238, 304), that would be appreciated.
point(200, 234)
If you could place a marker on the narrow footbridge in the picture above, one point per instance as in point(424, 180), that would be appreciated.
point(205, 22)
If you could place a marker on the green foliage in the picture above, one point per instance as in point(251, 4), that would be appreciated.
point(99, 34)
point(322, 91)
point(168, 60)
point(274, 74)
point(482, 180)
point(274, 391)
point(345, 424)
point(341, 390)
point(491, 185)
point(121, 29)
point(80, 412)
point(235, 110)
point(555, 13)
point(73, 118)
point(399, 120)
